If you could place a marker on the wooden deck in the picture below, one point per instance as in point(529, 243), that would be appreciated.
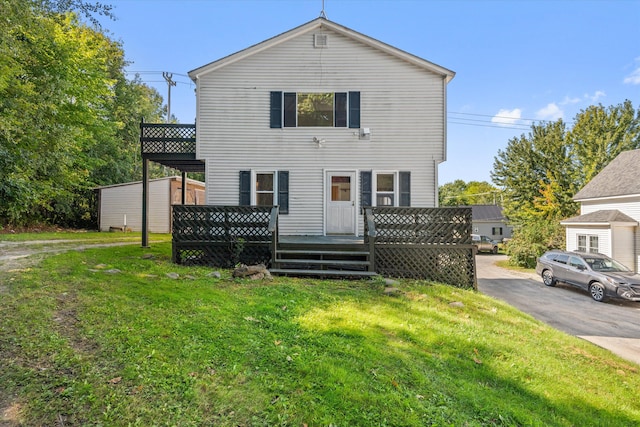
point(417, 243)
point(323, 256)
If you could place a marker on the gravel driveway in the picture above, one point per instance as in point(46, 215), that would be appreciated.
point(614, 325)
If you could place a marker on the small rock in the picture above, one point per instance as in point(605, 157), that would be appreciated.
point(391, 282)
point(215, 274)
point(148, 256)
point(113, 271)
point(172, 275)
point(190, 277)
point(456, 304)
point(391, 290)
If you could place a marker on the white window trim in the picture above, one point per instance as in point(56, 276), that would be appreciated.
point(254, 175)
point(588, 247)
point(374, 185)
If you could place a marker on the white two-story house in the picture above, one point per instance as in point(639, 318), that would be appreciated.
point(322, 121)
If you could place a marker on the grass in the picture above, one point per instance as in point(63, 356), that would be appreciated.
point(81, 236)
point(506, 264)
point(106, 337)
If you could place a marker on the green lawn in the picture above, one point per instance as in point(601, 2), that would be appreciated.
point(105, 337)
point(81, 236)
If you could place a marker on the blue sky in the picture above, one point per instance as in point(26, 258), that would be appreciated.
point(516, 61)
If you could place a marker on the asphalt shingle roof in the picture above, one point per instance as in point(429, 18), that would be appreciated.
point(600, 217)
point(621, 177)
point(487, 213)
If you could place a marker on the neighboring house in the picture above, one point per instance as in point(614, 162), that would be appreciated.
point(120, 204)
point(609, 212)
point(321, 121)
point(488, 220)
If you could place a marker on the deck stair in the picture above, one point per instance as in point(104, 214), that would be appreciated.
point(323, 259)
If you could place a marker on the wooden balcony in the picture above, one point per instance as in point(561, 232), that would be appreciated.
point(170, 144)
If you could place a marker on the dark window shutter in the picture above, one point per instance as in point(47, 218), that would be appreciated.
point(405, 188)
point(340, 112)
point(283, 191)
point(365, 188)
point(354, 109)
point(275, 118)
point(289, 109)
point(245, 188)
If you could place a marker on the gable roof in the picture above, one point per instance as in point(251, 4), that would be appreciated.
point(487, 213)
point(316, 24)
point(621, 177)
point(599, 218)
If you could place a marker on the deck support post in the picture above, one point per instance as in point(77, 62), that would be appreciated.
point(145, 203)
point(184, 187)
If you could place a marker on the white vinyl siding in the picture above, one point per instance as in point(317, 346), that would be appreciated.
point(603, 235)
point(631, 207)
point(622, 239)
point(401, 103)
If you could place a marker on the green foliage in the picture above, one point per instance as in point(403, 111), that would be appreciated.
point(67, 112)
point(105, 337)
point(460, 193)
point(542, 171)
point(532, 240)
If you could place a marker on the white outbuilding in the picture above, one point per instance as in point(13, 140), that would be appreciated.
point(120, 205)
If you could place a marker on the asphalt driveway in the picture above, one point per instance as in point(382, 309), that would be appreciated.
point(614, 325)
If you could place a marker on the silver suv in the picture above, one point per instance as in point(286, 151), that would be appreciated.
point(598, 274)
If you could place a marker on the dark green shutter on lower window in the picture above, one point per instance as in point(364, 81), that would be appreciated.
point(405, 188)
point(283, 191)
point(365, 188)
point(245, 188)
point(275, 118)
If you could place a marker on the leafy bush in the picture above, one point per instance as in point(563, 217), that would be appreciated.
point(532, 240)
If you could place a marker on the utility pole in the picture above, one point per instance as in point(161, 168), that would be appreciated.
point(168, 77)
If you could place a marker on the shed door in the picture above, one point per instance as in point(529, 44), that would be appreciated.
point(341, 202)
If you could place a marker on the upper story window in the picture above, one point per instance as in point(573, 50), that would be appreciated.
point(315, 109)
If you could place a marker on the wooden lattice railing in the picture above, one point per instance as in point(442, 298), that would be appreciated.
point(224, 236)
point(423, 243)
point(167, 138)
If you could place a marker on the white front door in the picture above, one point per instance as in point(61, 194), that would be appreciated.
point(341, 202)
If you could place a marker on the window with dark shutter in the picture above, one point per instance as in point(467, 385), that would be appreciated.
point(354, 109)
point(283, 191)
point(312, 111)
point(405, 188)
point(245, 188)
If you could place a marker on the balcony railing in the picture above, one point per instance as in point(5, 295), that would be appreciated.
point(167, 138)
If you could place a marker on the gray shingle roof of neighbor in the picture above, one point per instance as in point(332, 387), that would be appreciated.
point(487, 213)
point(621, 177)
point(600, 217)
